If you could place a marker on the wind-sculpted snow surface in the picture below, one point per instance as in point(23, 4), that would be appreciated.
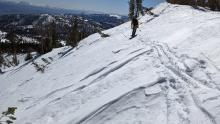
point(168, 74)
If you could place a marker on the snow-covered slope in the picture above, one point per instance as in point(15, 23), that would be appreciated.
point(169, 73)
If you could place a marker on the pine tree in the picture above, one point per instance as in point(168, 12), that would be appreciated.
point(140, 6)
point(135, 8)
point(53, 35)
point(218, 4)
point(74, 33)
point(131, 9)
point(13, 39)
point(201, 3)
point(49, 37)
point(212, 4)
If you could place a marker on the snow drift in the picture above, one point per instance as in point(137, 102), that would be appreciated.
point(169, 73)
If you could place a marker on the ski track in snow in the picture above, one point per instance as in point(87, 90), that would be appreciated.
point(176, 70)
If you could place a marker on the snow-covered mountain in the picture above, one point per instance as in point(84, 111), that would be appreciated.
point(26, 25)
point(168, 74)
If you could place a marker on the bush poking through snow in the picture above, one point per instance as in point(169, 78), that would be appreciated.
point(45, 60)
point(39, 67)
point(50, 58)
point(8, 117)
point(103, 35)
point(28, 57)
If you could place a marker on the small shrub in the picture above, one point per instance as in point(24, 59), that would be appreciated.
point(50, 58)
point(39, 67)
point(45, 60)
point(8, 116)
point(103, 35)
point(28, 57)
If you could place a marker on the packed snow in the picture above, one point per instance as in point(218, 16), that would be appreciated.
point(168, 74)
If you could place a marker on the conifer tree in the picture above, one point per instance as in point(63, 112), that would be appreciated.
point(135, 8)
point(212, 4)
point(201, 3)
point(43, 32)
point(140, 6)
point(49, 37)
point(13, 39)
point(74, 33)
point(131, 9)
point(218, 5)
point(53, 35)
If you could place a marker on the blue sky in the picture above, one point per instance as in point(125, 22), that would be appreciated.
point(108, 6)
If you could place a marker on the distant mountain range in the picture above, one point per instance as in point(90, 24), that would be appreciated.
point(8, 7)
point(27, 21)
point(25, 24)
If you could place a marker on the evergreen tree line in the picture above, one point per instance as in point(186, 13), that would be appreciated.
point(212, 4)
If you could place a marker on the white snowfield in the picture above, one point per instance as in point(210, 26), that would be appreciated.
point(168, 74)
